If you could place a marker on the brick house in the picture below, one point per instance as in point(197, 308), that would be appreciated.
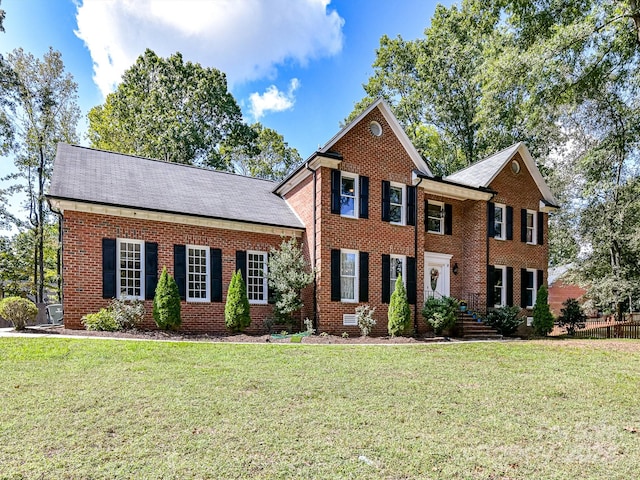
point(365, 206)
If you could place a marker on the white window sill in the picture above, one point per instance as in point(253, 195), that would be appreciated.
point(258, 302)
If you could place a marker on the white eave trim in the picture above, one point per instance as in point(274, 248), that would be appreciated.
point(316, 163)
point(453, 191)
point(76, 206)
point(546, 208)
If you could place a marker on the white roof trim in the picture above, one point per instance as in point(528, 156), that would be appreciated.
point(395, 127)
point(453, 191)
point(63, 205)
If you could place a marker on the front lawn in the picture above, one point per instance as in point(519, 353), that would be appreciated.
point(105, 409)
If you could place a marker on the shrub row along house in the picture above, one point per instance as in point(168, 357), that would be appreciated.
point(365, 207)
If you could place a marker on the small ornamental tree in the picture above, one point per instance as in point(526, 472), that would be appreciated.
point(288, 274)
point(572, 316)
point(399, 311)
point(236, 310)
point(542, 317)
point(166, 303)
point(18, 311)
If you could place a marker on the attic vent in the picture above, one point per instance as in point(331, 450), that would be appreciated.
point(375, 128)
point(349, 319)
point(515, 166)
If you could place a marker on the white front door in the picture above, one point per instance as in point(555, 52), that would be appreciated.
point(436, 274)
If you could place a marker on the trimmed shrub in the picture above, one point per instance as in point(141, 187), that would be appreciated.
point(119, 315)
point(399, 312)
point(572, 316)
point(166, 303)
point(542, 317)
point(236, 311)
point(104, 320)
point(19, 311)
point(440, 313)
point(364, 317)
point(128, 314)
point(288, 274)
point(505, 320)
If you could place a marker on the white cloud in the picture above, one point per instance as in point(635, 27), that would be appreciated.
point(246, 39)
point(273, 100)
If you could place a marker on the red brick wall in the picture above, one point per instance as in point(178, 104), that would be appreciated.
point(560, 291)
point(519, 191)
point(379, 158)
point(82, 264)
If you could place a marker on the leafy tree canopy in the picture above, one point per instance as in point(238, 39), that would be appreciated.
point(171, 110)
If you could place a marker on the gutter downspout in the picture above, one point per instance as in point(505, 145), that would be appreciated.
point(59, 249)
point(313, 263)
point(486, 267)
point(415, 255)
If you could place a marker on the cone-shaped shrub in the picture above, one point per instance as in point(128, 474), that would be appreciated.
point(166, 303)
point(542, 317)
point(236, 310)
point(399, 311)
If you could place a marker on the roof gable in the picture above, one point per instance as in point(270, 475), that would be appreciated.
point(107, 178)
point(397, 129)
point(482, 173)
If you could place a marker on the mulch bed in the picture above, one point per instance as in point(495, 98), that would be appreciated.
point(238, 338)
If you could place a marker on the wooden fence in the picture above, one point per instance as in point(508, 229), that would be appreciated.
point(630, 328)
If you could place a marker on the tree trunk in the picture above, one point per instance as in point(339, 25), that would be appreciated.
point(40, 229)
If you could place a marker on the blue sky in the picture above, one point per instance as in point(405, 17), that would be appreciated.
point(297, 66)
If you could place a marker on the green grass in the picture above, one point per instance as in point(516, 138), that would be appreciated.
point(102, 409)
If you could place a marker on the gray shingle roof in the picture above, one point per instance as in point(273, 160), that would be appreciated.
point(481, 173)
point(108, 178)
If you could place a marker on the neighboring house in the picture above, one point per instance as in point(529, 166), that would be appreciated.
point(560, 291)
point(365, 206)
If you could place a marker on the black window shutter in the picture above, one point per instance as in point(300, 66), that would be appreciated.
point(336, 295)
point(523, 287)
point(509, 223)
point(490, 272)
point(241, 264)
point(364, 197)
point(411, 280)
point(363, 288)
point(386, 278)
point(448, 219)
point(510, 286)
point(386, 200)
point(540, 279)
point(150, 269)
point(412, 202)
point(426, 215)
point(271, 294)
point(335, 191)
point(540, 216)
point(491, 218)
point(523, 225)
point(109, 268)
point(216, 274)
point(180, 269)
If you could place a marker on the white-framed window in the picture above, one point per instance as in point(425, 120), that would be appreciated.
point(531, 227)
point(349, 195)
point(398, 203)
point(257, 277)
point(530, 288)
point(349, 260)
point(198, 273)
point(500, 221)
point(130, 269)
point(499, 286)
point(435, 217)
point(398, 263)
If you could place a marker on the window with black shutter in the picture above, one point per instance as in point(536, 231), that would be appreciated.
point(216, 274)
point(180, 269)
point(150, 269)
point(109, 268)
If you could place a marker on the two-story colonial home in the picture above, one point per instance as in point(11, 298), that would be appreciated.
point(365, 206)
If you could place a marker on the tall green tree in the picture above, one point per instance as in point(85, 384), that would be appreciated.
point(270, 157)
point(173, 110)
point(436, 86)
point(43, 111)
point(581, 60)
